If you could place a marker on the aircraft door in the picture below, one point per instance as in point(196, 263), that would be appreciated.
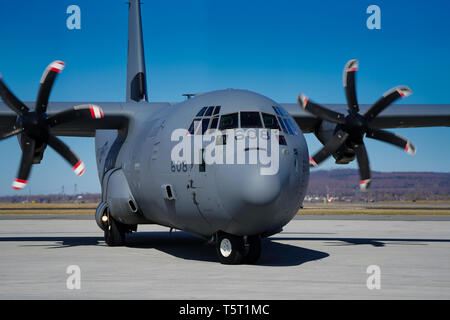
point(202, 186)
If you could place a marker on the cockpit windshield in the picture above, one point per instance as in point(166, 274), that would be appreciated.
point(270, 121)
point(251, 120)
point(229, 121)
point(208, 118)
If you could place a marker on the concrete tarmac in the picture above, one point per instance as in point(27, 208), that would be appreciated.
point(310, 259)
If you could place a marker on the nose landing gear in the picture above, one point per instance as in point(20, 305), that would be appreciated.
point(233, 249)
point(253, 249)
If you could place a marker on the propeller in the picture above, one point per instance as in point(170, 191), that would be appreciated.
point(34, 127)
point(351, 128)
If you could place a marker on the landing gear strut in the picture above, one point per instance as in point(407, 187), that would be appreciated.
point(114, 232)
point(253, 247)
point(233, 249)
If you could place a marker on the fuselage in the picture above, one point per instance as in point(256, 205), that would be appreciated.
point(244, 194)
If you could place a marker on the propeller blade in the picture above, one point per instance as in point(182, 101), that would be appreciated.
point(35, 127)
point(11, 133)
point(393, 139)
point(363, 163)
point(61, 148)
point(388, 98)
point(349, 84)
point(11, 100)
point(319, 111)
point(85, 111)
point(47, 80)
point(329, 148)
point(28, 147)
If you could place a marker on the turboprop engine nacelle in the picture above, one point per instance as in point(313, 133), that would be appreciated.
point(324, 132)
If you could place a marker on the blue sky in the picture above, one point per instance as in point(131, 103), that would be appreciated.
point(276, 48)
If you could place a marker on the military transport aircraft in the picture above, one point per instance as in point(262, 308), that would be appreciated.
point(233, 204)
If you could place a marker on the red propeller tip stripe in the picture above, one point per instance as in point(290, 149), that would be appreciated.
point(403, 91)
point(410, 149)
point(303, 100)
point(57, 66)
point(79, 168)
point(352, 66)
point(96, 112)
point(311, 161)
point(364, 184)
point(19, 184)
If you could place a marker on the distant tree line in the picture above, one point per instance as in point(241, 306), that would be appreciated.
point(53, 198)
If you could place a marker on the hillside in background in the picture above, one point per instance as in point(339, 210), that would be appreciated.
point(343, 184)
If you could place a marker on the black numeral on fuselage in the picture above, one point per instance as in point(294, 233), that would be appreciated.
point(178, 166)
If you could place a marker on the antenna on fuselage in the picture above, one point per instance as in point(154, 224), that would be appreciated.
point(136, 74)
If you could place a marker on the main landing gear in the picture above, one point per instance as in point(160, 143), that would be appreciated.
point(233, 249)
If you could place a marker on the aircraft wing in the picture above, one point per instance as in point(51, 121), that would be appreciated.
point(115, 117)
point(118, 114)
point(396, 116)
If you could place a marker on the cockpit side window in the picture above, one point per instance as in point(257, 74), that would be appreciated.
point(250, 120)
point(195, 124)
point(292, 126)
point(209, 111)
point(201, 112)
point(283, 127)
point(229, 121)
point(288, 127)
point(205, 123)
point(277, 110)
point(281, 111)
point(201, 121)
point(285, 120)
point(214, 123)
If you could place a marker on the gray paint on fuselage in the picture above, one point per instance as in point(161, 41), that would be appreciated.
point(214, 200)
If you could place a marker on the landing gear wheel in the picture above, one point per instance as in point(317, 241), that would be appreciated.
point(253, 249)
point(114, 233)
point(230, 249)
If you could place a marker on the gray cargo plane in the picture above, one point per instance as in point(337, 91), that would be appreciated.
point(233, 204)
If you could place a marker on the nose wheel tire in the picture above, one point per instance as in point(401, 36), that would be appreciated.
point(230, 249)
point(253, 249)
point(114, 233)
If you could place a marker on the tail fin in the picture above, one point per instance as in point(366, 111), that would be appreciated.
point(136, 75)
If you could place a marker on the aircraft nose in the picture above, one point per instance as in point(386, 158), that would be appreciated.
point(249, 198)
point(259, 190)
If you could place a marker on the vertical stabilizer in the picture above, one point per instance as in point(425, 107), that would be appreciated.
point(136, 75)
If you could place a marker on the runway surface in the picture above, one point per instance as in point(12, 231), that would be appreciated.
point(310, 259)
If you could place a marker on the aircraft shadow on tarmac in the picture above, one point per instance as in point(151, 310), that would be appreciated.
point(182, 245)
point(185, 246)
point(59, 242)
point(375, 242)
